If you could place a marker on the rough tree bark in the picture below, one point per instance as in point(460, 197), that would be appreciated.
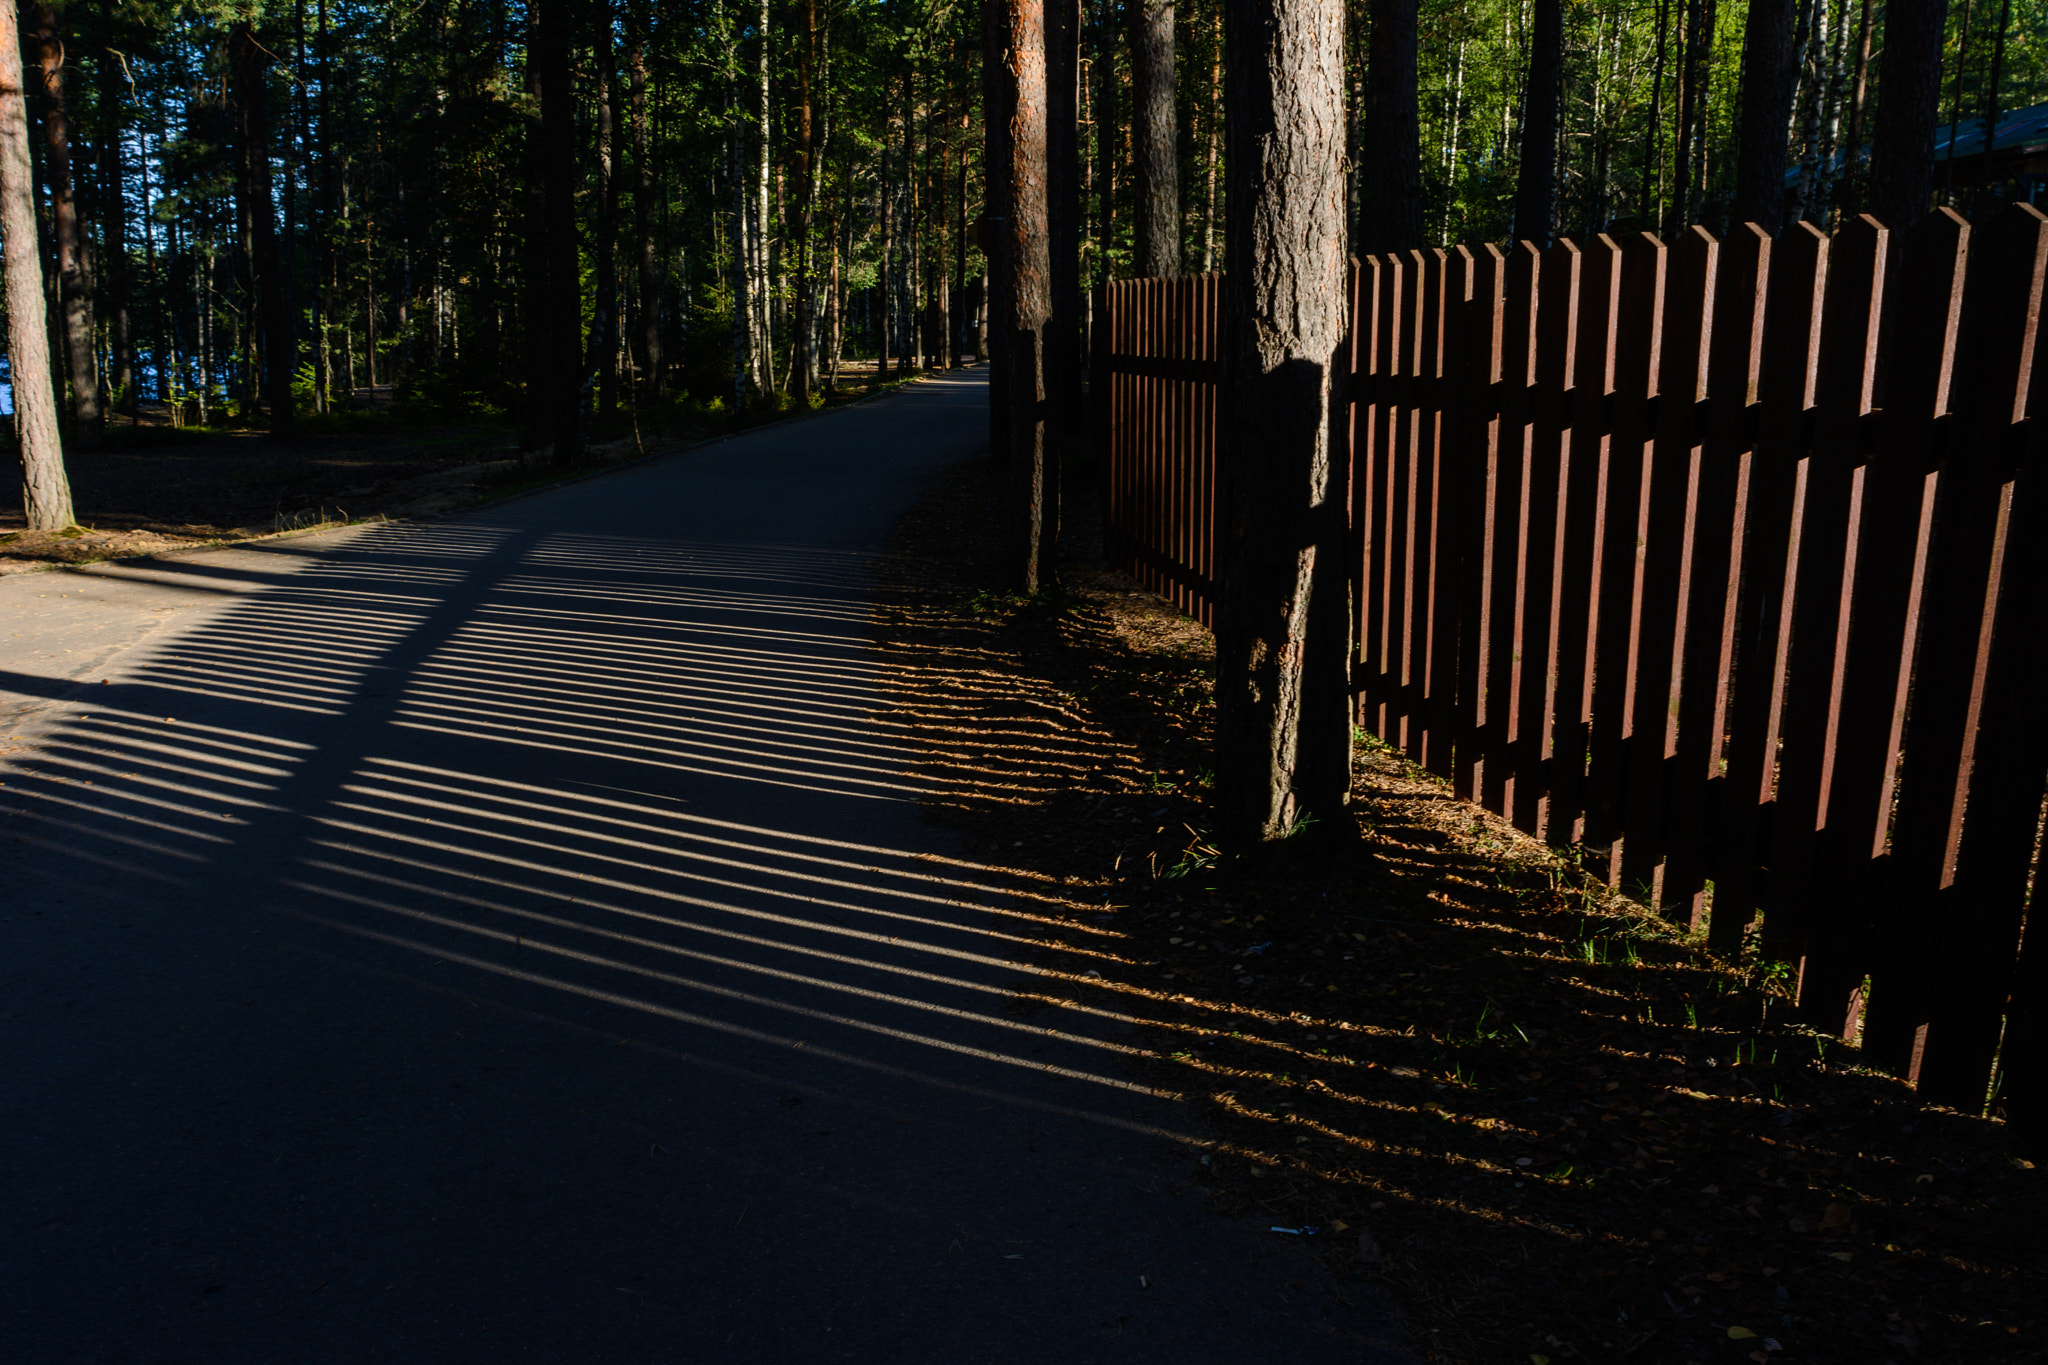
point(1536, 182)
point(1026, 287)
point(1390, 192)
point(800, 224)
point(74, 262)
point(114, 216)
point(45, 490)
point(647, 310)
point(1063, 214)
point(1768, 82)
point(1283, 639)
point(280, 348)
point(1155, 148)
point(555, 312)
point(997, 98)
point(606, 282)
point(1909, 88)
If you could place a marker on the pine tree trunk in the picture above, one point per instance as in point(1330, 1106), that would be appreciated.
point(1283, 639)
point(1767, 92)
point(1107, 118)
point(1063, 216)
point(1536, 181)
point(74, 263)
point(1902, 150)
point(280, 351)
point(997, 98)
point(764, 333)
point(555, 330)
point(45, 490)
point(800, 227)
point(647, 313)
point(323, 228)
point(1211, 158)
point(1025, 285)
point(1155, 138)
point(114, 216)
point(1390, 193)
point(606, 232)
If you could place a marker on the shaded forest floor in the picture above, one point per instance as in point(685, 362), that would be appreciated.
point(1554, 1126)
point(155, 487)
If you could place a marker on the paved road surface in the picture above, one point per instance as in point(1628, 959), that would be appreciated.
point(514, 938)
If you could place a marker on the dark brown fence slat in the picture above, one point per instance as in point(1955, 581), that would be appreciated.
point(1785, 389)
point(1668, 476)
point(1550, 375)
point(1891, 538)
point(1469, 346)
point(1734, 351)
point(1481, 363)
point(1404, 487)
point(1521, 269)
point(1915, 901)
point(1428, 741)
point(1372, 497)
point(1640, 324)
point(1599, 271)
point(1995, 861)
point(1842, 397)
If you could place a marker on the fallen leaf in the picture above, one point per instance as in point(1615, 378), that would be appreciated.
point(1837, 1216)
point(1740, 1334)
point(1843, 1255)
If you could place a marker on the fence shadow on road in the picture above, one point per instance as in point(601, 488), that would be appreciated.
point(647, 775)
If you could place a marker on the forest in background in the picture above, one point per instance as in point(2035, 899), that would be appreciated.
point(553, 212)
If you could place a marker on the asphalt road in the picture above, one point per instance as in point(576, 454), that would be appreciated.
point(514, 938)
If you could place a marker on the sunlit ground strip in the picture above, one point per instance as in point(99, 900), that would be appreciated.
point(220, 736)
point(42, 820)
point(269, 626)
point(145, 739)
point(743, 965)
point(74, 753)
point(658, 640)
point(72, 850)
point(119, 787)
point(566, 620)
point(689, 597)
point(522, 816)
point(631, 815)
point(699, 742)
point(590, 879)
point(685, 983)
point(88, 747)
point(339, 688)
point(845, 737)
point(747, 771)
point(711, 696)
point(840, 683)
point(170, 680)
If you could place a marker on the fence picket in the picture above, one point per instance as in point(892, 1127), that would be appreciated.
point(1914, 902)
point(1785, 392)
point(1721, 461)
point(1639, 335)
point(1842, 400)
point(1894, 522)
point(1583, 526)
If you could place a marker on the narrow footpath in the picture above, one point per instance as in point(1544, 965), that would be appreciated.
point(514, 938)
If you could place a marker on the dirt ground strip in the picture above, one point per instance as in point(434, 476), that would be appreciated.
point(1557, 1127)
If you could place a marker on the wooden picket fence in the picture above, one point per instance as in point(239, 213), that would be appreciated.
point(1725, 560)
